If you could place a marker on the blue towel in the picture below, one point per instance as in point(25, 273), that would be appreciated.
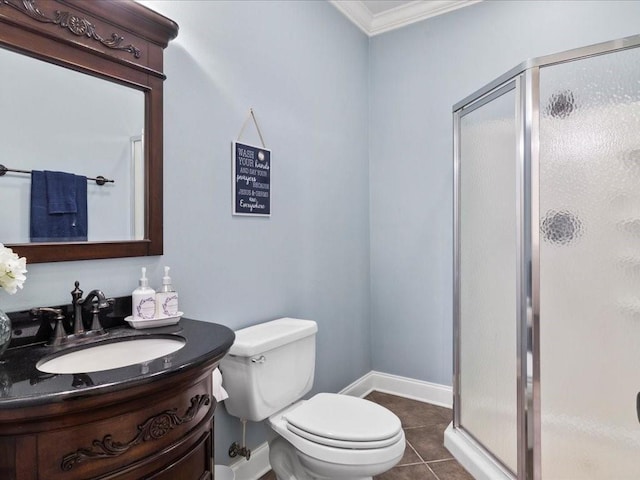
point(61, 192)
point(57, 227)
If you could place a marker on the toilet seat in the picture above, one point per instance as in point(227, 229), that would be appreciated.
point(380, 441)
point(344, 422)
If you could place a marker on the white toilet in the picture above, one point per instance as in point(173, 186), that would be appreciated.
point(268, 370)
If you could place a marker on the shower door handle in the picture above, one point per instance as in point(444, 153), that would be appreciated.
point(638, 406)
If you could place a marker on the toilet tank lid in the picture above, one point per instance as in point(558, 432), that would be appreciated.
point(266, 336)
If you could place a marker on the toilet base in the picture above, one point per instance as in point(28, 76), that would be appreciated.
point(287, 465)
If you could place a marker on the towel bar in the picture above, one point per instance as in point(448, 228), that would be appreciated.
point(100, 180)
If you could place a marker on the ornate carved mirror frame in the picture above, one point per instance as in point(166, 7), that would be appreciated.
point(117, 40)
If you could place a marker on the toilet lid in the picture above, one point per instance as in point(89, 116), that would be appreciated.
point(344, 418)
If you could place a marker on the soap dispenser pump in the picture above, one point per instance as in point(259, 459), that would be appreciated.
point(143, 299)
point(166, 298)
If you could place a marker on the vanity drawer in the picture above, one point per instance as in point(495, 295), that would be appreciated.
point(154, 424)
point(194, 465)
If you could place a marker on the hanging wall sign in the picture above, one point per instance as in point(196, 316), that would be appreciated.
point(251, 180)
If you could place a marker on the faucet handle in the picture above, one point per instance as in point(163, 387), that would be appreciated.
point(59, 333)
point(95, 316)
point(98, 302)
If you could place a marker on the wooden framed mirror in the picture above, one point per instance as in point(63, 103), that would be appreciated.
point(85, 85)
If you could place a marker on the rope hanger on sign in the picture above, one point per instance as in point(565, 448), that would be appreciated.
point(255, 122)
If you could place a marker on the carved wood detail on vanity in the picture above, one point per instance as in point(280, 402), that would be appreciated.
point(153, 428)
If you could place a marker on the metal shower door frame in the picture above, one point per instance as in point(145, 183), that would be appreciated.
point(513, 83)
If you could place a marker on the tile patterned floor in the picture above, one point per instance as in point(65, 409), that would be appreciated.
point(425, 457)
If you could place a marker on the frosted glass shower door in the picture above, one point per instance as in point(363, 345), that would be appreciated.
point(487, 281)
point(590, 267)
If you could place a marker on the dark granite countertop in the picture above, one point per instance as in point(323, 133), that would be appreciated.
point(23, 385)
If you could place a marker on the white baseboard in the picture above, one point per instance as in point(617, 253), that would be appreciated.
point(422, 391)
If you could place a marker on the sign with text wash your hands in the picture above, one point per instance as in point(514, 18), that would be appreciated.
point(251, 180)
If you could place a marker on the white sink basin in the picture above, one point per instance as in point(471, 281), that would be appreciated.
point(105, 356)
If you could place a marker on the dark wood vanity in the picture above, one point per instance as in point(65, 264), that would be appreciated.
point(143, 421)
point(117, 41)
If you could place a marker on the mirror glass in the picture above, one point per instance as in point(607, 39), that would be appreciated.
point(56, 119)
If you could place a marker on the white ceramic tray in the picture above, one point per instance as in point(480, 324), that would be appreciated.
point(153, 322)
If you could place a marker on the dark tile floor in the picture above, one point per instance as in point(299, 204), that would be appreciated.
point(425, 457)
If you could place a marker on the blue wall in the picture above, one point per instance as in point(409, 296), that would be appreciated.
point(417, 74)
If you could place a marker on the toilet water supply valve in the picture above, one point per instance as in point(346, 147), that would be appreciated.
point(235, 449)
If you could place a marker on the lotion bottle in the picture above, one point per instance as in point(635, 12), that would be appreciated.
point(166, 298)
point(143, 299)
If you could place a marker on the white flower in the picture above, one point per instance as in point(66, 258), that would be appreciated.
point(12, 270)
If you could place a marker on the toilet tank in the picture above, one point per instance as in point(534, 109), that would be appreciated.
point(269, 367)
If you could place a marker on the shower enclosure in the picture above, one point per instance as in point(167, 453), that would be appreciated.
point(547, 269)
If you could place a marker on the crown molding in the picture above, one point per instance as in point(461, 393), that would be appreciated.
point(355, 11)
point(400, 16)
